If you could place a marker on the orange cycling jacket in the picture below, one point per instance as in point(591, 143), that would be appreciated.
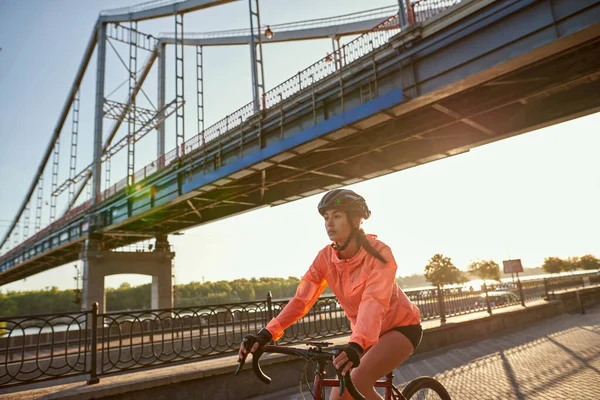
point(365, 287)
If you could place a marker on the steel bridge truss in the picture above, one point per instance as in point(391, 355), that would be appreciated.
point(147, 126)
point(140, 121)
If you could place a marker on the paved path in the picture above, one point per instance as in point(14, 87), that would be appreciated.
point(558, 358)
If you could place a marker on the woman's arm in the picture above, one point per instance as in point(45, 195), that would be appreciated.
point(309, 289)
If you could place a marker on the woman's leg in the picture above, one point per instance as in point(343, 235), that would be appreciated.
point(392, 350)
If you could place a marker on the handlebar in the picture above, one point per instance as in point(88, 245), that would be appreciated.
point(313, 353)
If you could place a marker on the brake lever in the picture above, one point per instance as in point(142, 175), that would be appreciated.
point(342, 382)
point(243, 360)
point(341, 379)
point(240, 366)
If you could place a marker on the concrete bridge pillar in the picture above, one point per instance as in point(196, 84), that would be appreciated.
point(99, 262)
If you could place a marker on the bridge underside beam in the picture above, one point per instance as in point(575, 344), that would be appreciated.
point(507, 106)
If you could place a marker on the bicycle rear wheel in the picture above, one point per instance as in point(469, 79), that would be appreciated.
point(425, 388)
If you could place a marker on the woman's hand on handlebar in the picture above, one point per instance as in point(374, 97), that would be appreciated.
point(253, 342)
point(347, 357)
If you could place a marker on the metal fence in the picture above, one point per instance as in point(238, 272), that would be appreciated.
point(52, 346)
point(44, 347)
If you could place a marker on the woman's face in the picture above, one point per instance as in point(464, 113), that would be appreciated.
point(337, 225)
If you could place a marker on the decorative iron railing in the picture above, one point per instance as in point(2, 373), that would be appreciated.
point(52, 346)
point(427, 300)
point(43, 347)
point(137, 340)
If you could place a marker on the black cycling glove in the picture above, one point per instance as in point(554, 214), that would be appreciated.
point(263, 337)
point(354, 351)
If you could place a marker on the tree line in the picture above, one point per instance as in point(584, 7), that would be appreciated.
point(127, 297)
point(439, 271)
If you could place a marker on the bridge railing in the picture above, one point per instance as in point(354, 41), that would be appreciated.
point(44, 347)
point(52, 346)
point(422, 10)
point(334, 62)
point(25, 246)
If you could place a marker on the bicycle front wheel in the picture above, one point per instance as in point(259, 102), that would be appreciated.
point(425, 388)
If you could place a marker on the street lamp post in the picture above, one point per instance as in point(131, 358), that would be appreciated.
point(77, 277)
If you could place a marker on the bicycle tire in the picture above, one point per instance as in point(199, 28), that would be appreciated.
point(425, 382)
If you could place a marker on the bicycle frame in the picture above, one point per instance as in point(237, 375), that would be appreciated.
point(320, 382)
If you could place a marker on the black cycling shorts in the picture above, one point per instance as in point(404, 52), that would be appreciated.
point(414, 333)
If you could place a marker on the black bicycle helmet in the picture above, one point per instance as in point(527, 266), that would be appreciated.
point(344, 200)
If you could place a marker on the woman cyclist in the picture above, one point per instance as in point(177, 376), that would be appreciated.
point(361, 272)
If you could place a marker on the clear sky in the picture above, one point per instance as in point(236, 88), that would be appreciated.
point(528, 197)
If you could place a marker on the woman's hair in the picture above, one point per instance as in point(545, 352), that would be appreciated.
point(361, 239)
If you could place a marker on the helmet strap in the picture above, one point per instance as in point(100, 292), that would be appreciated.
point(347, 242)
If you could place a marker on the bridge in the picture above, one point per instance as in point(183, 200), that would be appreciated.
point(431, 80)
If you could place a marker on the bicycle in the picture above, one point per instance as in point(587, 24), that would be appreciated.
point(420, 388)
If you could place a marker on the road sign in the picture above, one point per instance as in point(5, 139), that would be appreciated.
point(511, 266)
